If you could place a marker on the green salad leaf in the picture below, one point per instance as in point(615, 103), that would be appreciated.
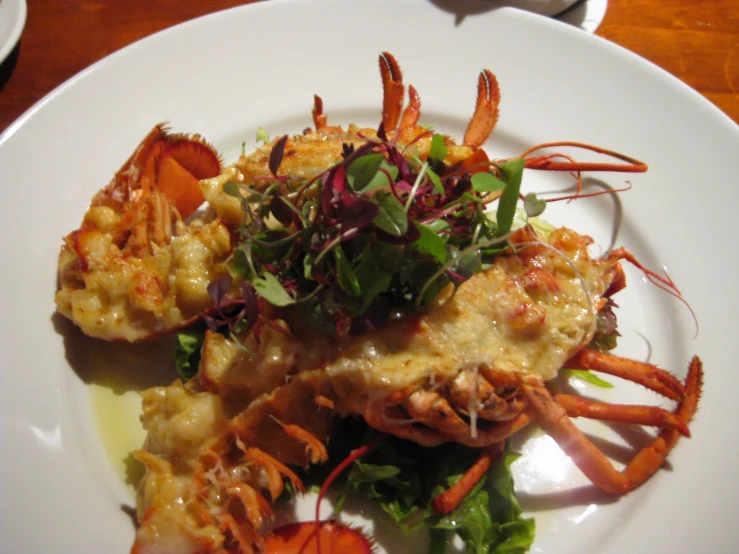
point(187, 352)
point(403, 478)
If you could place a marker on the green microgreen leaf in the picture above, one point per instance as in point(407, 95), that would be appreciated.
point(435, 180)
point(308, 266)
point(262, 135)
point(377, 264)
point(512, 174)
point(438, 150)
point(347, 278)
point(532, 205)
point(588, 377)
point(392, 217)
point(486, 182)
point(380, 179)
point(232, 189)
point(363, 170)
point(187, 352)
point(430, 244)
point(438, 225)
point(242, 263)
point(271, 290)
point(466, 264)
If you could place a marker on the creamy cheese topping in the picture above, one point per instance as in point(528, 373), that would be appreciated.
point(528, 313)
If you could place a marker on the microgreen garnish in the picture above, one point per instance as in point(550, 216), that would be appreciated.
point(381, 229)
point(533, 206)
point(234, 316)
point(262, 135)
point(187, 352)
point(275, 158)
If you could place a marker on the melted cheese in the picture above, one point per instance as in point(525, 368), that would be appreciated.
point(528, 313)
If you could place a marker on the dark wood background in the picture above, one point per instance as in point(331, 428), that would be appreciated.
point(695, 40)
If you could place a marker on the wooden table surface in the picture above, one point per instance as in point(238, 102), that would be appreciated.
point(695, 40)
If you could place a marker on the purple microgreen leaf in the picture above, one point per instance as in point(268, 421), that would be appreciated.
point(218, 289)
point(396, 158)
point(327, 194)
point(281, 211)
point(486, 182)
point(363, 169)
point(344, 273)
point(430, 244)
point(357, 212)
point(511, 173)
point(275, 157)
point(391, 217)
point(339, 180)
point(271, 290)
point(251, 307)
point(353, 154)
point(533, 206)
point(347, 150)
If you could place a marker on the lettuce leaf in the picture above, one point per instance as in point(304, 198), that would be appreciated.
point(187, 352)
point(404, 477)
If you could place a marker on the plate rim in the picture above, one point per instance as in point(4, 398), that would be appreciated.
point(95, 67)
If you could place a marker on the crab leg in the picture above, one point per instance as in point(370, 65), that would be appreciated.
point(645, 374)
point(641, 415)
point(392, 86)
point(486, 110)
point(591, 461)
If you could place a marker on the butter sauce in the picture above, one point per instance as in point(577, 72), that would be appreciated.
point(119, 430)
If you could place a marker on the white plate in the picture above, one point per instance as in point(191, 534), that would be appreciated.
point(226, 74)
point(12, 21)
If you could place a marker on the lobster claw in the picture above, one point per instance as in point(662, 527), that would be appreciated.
point(486, 110)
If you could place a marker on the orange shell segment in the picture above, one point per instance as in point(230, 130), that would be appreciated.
point(335, 538)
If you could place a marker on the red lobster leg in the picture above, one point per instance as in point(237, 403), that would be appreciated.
point(591, 461)
point(577, 406)
point(645, 374)
point(446, 502)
